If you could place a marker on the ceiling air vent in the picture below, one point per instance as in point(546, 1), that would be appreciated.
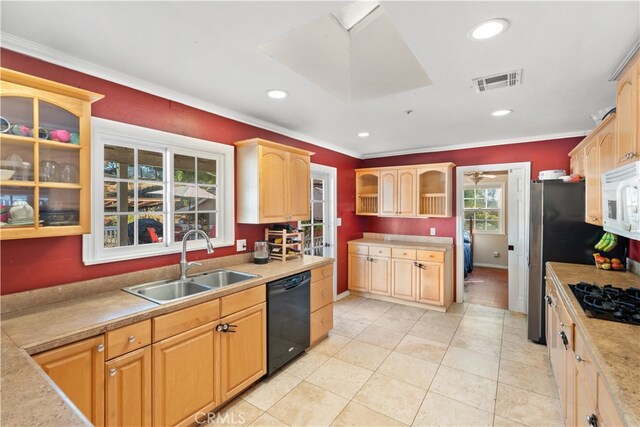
point(496, 81)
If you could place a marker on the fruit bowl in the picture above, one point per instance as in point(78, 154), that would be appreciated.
point(605, 263)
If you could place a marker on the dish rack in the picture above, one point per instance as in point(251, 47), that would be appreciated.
point(284, 245)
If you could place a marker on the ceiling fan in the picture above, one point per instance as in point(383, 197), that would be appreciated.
point(476, 177)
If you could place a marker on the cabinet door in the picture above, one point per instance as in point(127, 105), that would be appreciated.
point(407, 192)
point(358, 272)
point(78, 370)
point(298, 181)
point(128, 389)
point(593, 209)
point(273, 184)
point(627, 116)
point(184, 375)
point(430, 280)
point(403, 281)
point(577, 163)
point(379, 275)
point(585, 407)
point(243, 352)
point(388, 196)
point(607, 147)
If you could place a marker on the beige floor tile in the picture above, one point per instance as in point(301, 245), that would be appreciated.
point(304, 365)
point(331, 344)
point(473, 362)
point(515, 320)
point(492, 323)
point(431, 317)
point(514, 335)
point(393, 398)
point(472, 325)
point(376, 305)
point(348, 327)
point(346, 304)
point(266, 420)
point(405, 312)
point(527, 377)
point(475, 342)
point(457, 308)
point(422, 348)
point(362, 354)
point(308, 405)
point(528, 353)
point(341, 378)
point(464, 387)
point(363, 314)
point(499, 421)
point(385, 338)
point(268, 392)
point(237, 413)
point(398, 324)
point(409, 369)
point(482, 310)
point(437, 410)
point(358, 415)
point(437, 333)
point(527, 408)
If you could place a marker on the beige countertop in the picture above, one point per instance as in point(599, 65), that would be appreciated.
point(615, 346)
point(40, 328)
point(439, 247)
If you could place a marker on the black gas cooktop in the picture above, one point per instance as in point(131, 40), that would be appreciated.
point(608, 302)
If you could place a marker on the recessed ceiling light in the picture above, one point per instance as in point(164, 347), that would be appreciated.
point(500, 113)
point(363, 134)
point(277, 93)
point(487, 29)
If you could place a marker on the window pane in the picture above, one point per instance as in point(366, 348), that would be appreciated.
point(206, 198)
point(469, 203)
point(184, 168)
point(116, 231)
point(118, 162)
point(492, 203)
point(318, 236)
point(207, 223)
point(480, 226)
point(481, 203)
point(318, 212)
point(182, 223)
point(469, 194)
point(150, 166)
point(492, 225)
point(469, 214)
point(184, 197)
point(206, 171)
point(118, 196)
point(150, 197)
point(150, 229)
point(318, 190)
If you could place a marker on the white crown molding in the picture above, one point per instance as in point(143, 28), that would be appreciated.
point(57, 57)
point(479, 144)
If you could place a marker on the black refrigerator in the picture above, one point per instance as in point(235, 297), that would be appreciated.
point(557, 233)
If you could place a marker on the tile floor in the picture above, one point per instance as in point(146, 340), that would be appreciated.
point(488, 287)
point(388, 364)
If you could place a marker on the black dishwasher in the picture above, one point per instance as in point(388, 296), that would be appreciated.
point(288, 311)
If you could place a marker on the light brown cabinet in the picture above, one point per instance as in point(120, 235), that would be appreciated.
point(77, 369)
point(628, 122)
point(398, 192)
point(273, 182)
point(429, 282)
point(48, 147)
point(435, 190)
point(321, 303)
point(403, 282)
point(367, 273)
point(367, 192)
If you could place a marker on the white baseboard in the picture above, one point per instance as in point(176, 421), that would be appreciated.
point(479, 264)
point(342, 295)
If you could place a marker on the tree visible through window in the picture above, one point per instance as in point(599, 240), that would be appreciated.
point(483, 209)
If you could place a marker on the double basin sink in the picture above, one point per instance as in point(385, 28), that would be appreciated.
point(171, 290)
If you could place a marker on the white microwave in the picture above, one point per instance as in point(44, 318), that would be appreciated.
point(620, 196)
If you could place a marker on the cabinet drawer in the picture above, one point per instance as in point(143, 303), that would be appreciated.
point(585, 365)
point(241, 300)
point(321, 322)
point(321, 273)
point(172, 324)
point(607, 409)
point(359, 249)
point(430, 256)
point(128, 338)
point(321, 293)
point(403, 253)
point(379, 251)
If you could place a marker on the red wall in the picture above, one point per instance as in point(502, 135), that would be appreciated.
point(37, 263)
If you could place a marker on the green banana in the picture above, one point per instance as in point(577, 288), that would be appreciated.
point(604, 241)
point(613, 242)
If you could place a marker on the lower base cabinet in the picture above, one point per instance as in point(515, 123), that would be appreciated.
point(430, 277)
point(128, 389)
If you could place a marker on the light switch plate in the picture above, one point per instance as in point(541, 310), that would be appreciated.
point(432, 231)
point(338, 222)
point(241, 245)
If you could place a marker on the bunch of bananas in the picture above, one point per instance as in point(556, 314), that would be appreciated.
point(608, 242)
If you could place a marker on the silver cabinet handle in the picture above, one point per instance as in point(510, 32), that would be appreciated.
point(592, 420)
point(100, 348)
point(132, 339)
point(323, 322)
point(562, 324)
point(112, 372)
point(578, 358)
point(323, 293)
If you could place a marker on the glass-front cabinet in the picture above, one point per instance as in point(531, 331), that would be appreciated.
point(45, 163)
point(367, 192)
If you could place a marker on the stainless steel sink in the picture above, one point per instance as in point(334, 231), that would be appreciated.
point(167, 291)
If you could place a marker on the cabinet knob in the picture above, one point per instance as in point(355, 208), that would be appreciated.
point(578, 358)
point(100, 348)
point(594, 218)
point(132, 339)
point(323, 293)
point(562, 324)
point(324, 322)
point(113, 372)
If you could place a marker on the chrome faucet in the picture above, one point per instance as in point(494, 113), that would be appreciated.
point(184, 265)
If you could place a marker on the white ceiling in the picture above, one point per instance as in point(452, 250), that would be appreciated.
point(206, 53)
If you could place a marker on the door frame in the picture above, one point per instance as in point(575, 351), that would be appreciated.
point(522, 288)
point(331, 199)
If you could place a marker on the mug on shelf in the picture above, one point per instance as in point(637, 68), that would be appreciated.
point(4, 125)
point(20, 130)
point(42, 133)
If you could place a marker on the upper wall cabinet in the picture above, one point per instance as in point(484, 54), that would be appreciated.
point(416, 191)
point(628, 123)
point(273, 182)
point(46, 157)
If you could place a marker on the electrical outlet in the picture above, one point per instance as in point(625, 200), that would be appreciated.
point(432, 231)
point(241, 245)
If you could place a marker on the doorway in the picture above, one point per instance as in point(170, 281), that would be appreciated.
point(512, 228)
point(320, 233)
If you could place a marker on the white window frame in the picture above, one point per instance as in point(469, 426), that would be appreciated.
point(107, 132)
point(501, 215)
